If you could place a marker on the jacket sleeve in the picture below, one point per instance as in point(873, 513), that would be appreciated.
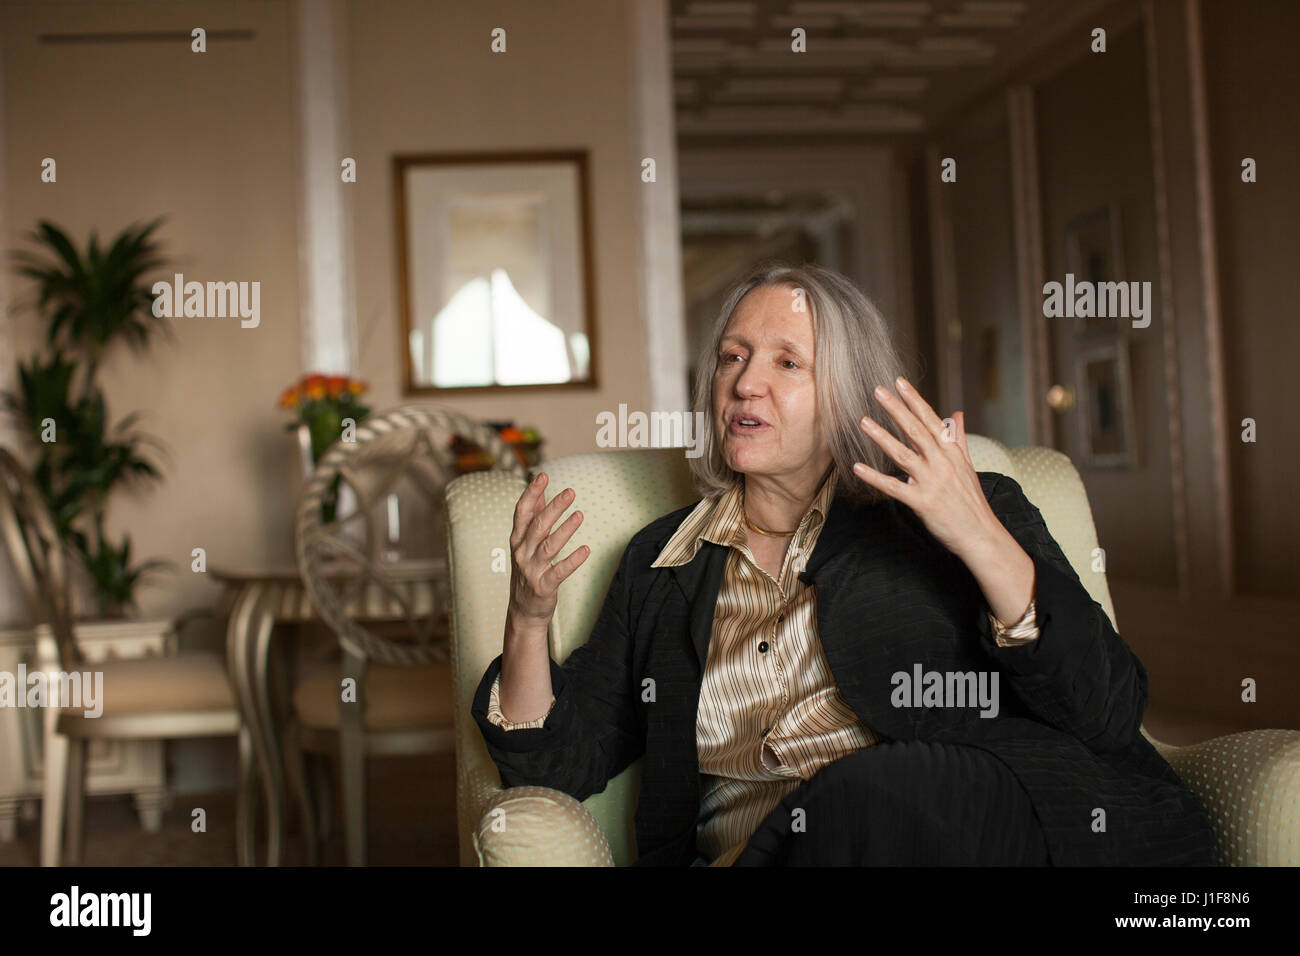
point(592, 731)
point(1078, 676)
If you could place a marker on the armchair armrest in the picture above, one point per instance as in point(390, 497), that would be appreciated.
point(1250, 786)
point(538, 826)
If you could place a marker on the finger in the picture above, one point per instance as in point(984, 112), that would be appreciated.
point(525, 508)
point(906, 458)
point(558, 538)
point(545, 519)
point(559, 571)
point(921, 437)
point(920, 407)
point(886, 483)
point(960, 418)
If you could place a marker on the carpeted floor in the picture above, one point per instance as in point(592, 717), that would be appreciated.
point(412, 822)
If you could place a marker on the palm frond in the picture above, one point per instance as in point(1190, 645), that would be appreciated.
point(90, 298)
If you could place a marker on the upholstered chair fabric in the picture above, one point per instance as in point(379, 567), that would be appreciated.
point(193, 681)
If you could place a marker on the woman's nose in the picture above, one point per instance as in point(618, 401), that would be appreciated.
point(750, 382)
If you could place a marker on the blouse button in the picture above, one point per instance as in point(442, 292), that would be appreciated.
point(762, 647)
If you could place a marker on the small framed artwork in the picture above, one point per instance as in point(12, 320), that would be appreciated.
point(495, 271)
point(1106, 405)
point(1094, 252)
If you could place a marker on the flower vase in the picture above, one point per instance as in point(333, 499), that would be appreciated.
point(339, 500)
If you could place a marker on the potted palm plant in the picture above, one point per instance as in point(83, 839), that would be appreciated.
point(91, 301)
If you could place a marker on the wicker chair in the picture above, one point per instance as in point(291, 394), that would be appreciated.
point(403, 690)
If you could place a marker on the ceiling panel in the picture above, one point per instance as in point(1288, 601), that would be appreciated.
point(871, 66)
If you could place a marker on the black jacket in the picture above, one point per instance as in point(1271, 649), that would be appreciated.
point(889, 597)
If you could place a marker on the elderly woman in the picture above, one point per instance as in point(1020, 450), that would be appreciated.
point(855, 649)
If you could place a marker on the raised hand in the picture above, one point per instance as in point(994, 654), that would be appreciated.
point(943, 487)
point(944, 491)
point(534, 579)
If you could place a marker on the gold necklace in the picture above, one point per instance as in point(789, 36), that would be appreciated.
point(763, 531)
point(770, 534)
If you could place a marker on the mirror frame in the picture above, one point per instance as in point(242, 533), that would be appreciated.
point(579, 158)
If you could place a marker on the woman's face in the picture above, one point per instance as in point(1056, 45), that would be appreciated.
point(765, 374)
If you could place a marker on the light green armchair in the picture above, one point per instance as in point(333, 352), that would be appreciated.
point(1249, 782)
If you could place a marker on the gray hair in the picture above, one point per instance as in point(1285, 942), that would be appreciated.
point(854, 354)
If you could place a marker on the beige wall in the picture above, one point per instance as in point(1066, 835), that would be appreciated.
point(983, 245)
point(1253, 81)
point(141, 129)
point(418, 86)
point(146, 129)
point(1092, 153)
point(1088, 154)
point(868, 177)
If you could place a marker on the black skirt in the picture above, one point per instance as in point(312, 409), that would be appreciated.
point(910, 803)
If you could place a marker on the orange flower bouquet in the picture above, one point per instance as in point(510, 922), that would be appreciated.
point(322, 402)
point(525, 442)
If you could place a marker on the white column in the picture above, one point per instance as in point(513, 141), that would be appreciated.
point(326, 295)
point(660, 261)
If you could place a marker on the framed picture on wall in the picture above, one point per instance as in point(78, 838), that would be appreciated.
point(1094, 252)
point(1106, 405)
point(495, 271)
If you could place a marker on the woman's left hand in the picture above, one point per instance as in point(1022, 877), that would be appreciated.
point(942, 488)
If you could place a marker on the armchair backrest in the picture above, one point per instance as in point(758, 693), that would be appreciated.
point(620, 492)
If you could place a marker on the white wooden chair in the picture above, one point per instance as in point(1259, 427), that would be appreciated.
point(158, 698)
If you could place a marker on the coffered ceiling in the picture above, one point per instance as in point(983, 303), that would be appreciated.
point(871, 66)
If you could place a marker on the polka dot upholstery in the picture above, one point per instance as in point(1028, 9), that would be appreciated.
point(990, 455)
point(1249, 782)
point(1250, 786)
point(480, 508)
point(538, 826)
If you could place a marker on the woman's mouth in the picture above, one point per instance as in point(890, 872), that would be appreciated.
point(747, 424)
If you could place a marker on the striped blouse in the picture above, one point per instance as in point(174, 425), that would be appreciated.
point(770, 715)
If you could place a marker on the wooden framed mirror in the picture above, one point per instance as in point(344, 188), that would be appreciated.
point(495, 271)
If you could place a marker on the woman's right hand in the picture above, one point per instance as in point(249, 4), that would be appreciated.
point(534, 580)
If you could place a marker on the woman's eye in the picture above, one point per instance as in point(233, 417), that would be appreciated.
point(789, 362)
